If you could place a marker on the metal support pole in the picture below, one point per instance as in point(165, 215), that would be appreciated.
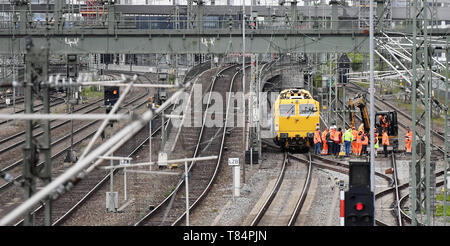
point(111, 179)
point(447, 129)
point(186, 180)
point(243, 89)
point(29, 185)
point(342, 206)
point(45, 173)
point(413, 182)
point(150, 141)
point(36, 73)
point(111, 17)
point(372, 102)
point(427, 81)
point(125, 184)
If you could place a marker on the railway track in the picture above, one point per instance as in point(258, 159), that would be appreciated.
point(171, 211)
point(16, 135)
point(341, 167)
point(396, 204)
point(61, 212)
point(18, 100)
point(59, 141)
point(66, 204)
point(90, 191)
point(37, 107)
point(280, 182)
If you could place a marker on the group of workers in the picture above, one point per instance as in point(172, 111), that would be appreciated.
point(330, 141)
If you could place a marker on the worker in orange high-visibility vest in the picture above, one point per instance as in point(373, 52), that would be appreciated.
point(337, 141)
point(317, 140)
point(408, 140)
point(385, 142)
point(331, 140)
point(354, 144)
point(364, 142)
point(359, 143)
point(324, 141)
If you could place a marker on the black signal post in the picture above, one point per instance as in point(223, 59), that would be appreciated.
point(111, 96)
point(359, 199)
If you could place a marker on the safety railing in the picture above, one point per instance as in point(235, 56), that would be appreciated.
point(158, 23)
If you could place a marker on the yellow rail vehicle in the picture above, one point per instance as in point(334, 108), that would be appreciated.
point(296, 116)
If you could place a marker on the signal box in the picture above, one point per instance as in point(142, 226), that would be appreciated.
point(112, 94)
point(359, 199)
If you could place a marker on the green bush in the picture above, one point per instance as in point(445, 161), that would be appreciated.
point(91, 92)
point(440, 210)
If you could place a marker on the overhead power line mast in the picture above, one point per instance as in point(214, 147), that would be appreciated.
point(421, 162)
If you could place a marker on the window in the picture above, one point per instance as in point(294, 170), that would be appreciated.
point(287, 110)
point(307, 109)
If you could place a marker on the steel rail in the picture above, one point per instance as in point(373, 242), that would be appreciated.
point(219, 158)
point(181, 182)
point(37, 126)
point(342, 168)
point(84, 199)
point(302, 198)
point(100, 183)
point(41, 132)
point(36, 110)
point(397, 192)
point(403, 200)
point(273, 193)
point(15, 164)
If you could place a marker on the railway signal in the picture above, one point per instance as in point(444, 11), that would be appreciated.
point(112, 94)
point(253, 20)
point(344, 68)
point(72, 66)
point(359, 199)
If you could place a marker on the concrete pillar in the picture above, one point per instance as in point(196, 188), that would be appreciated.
point(334, 14)
point(380, 7)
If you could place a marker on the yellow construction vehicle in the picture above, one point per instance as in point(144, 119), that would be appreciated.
point(383, 120)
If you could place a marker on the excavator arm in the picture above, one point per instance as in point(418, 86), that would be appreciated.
point(352, 113)
point(360, 102)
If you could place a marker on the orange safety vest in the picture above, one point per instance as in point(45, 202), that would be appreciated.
point(385, 140)
point(317, 137)
point(366, 140)
point(324, 135)
point(384, 124)
point(336, 136)
point(332, 133)
point(408, 136)
point(358, 138)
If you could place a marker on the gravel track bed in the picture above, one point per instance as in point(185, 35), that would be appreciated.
point(282, 207)
point(143, 190)
point(67, 200)
point(14, 195)
point(53, 123)
point(12, 127)
point(220, 209)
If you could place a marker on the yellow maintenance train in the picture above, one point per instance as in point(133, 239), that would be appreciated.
point(296, 116)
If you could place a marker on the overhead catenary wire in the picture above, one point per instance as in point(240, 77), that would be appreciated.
point(106, 121)
point(119, 138)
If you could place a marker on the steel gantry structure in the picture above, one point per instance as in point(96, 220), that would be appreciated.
point(117, 31)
